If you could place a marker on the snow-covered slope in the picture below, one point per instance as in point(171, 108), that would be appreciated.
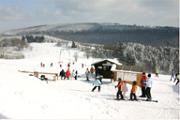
point(26, 97)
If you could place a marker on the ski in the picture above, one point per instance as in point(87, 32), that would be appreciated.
point(148, 100)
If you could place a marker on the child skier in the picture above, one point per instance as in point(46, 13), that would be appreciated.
point(120, 87)
point(133, 91)
point(97, 83)
point(143, 84)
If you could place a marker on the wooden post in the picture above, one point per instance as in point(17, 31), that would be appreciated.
point(55, 77)
point(36, 74)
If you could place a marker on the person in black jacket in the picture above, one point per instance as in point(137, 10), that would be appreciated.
point(62, 74)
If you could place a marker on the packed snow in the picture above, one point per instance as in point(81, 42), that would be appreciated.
point(23, 96)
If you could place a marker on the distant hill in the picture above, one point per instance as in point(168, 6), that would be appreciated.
point(107, 33)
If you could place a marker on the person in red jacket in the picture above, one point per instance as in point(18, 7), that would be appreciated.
point(143, 84)
point(68, 74)
point(120, 87)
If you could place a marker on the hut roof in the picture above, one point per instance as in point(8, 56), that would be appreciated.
point(109, 60)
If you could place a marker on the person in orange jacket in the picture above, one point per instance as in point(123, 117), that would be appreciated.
point(143, 84)
point(133, 91)
point(120, 87)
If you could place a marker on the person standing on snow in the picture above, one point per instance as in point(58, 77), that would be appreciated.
point(120, 87)
point(68, 74)
point(76, 75)
point(133, 91)
point(149, 83)
point(172, 75)
point(177, 78)
point(143, 84)
point(87, 74)
point(62, 74)
point(97, 83)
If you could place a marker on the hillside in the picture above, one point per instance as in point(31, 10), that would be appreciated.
point(107, 33)
point(141, 48)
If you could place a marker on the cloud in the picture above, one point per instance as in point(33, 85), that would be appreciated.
point(122, 11)
point(10, 14)
point(140, 12)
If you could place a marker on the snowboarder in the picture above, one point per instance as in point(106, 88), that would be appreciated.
point(62, 74)
point(119, 92)
point(149, 83)
point(97, 83)
point(133, 91)
point(143, 84)
point(87, 74)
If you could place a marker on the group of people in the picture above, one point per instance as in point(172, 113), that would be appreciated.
point(90, 72)
point(67, 75)
point(145, 85)
point(74, 73)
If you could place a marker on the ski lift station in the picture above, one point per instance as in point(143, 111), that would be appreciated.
point(105, 68)
point(110, 69)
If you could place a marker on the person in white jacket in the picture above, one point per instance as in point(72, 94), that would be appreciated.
point(149, 84)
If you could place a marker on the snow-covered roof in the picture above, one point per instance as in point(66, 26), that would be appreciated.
point(126, 71)
point(110, 60)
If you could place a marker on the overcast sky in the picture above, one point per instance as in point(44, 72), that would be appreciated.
point(23, 13)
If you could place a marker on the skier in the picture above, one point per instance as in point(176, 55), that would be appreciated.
point(92, 71)
point(119, 92)
point(97, 83)
point(133, 91)
point(149, 83)
point(87, 74)
point(68, 74)
point(62, 74)
point(177, 78)
point(143, 84)
point(76, 75)
point(51, 65)
point(125, 89)
point(68, 65)
point(172, 75)
point(41, 64)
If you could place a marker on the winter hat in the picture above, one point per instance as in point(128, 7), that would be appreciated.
point(149, 75)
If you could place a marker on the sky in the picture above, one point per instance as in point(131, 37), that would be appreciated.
point(24, 13)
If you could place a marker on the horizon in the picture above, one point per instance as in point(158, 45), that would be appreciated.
point(16, 14)
point(26, 27)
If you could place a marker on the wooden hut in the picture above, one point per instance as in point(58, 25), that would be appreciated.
point(105, 68)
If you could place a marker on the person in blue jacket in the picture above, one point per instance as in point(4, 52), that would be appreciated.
point(97, 83)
